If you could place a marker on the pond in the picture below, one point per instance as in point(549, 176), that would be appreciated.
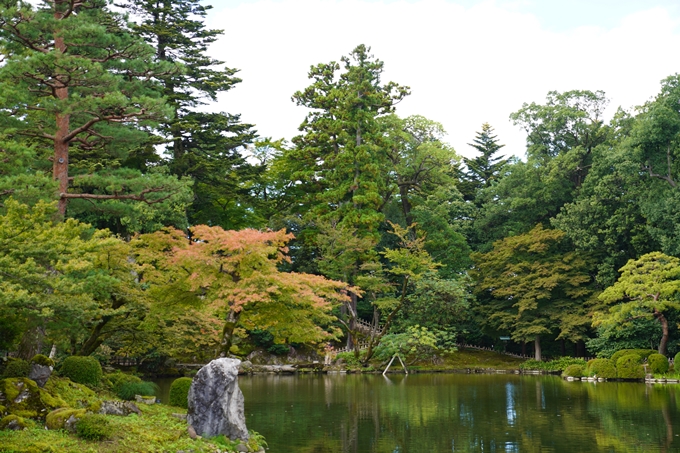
point(459, 413)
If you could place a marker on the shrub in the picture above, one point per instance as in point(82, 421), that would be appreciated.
point(128, 390)
point(658, 363)
point(179, 392)
point(42, 360)
point(628, 367)
point(559, 364)
point(278, 349)
point(573, 371)
point(642, 353)
point(17, 368)
point(94, 427)
point(83, 370)
point(676, 364)
point(602, 368)
point(118, 379)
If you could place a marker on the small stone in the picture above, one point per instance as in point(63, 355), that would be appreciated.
point(40, 374)
point(192, 432)
point(180, 416)
point(242, 448)
point(145, 399)
point(121, 408)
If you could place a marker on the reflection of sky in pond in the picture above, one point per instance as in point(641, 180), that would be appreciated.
point(510, 403)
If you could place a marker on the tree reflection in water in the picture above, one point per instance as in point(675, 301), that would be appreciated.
point(459, 412)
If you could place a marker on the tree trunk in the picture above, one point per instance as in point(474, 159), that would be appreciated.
point(524, 348)
point(664, 331)
point(405, 204)
point(228, 331)
point(31, 343)
point(352, 321)
point(537, 348)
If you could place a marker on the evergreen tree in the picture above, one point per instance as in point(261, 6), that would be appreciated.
point(205, 146)
point(484, 169)
point(74, 77)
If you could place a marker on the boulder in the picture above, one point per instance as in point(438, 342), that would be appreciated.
point(13, 423)
point(64, 418)
point(23, 397)
point(216, 401)
point(120, 408)
point(40, 373)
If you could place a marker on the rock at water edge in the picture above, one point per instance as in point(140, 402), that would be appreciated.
point(216, 402)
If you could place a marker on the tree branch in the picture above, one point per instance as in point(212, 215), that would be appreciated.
point(136, 197)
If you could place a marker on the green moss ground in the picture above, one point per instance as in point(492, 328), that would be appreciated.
point(155, 430)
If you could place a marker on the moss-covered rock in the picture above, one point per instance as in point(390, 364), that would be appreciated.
point(64, 418)
point(179, 392)
point(601, 368)
point(13, 422)
point(94, 427)
point(43, 360)
point(629, 367)
point(658, 363)
point(83, 370)
point(23, 397)
point(74, 394)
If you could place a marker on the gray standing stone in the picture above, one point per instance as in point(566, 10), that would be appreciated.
point(40, 374)
point(216, 401)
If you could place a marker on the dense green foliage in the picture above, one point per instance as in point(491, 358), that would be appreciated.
point(629, 367)
point(657, 363)
point(642, 353)
point(43, 360)
point(601, 368)
point(179, 392)
point(128, 390)
point(574, 371)
point(83, 370)
point(560, 364)
point(94, 427)
point(137, 222)
point(16, 368)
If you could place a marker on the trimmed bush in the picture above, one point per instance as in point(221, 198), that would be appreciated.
point(179, 392)
point(94, 427)
point(602, 368)
point(658, 363)
point(83, 370)
point(573, 371)
point(128, 390)
point(628, 367)
point(643, 353)
point(676, 364)
point(17, 368)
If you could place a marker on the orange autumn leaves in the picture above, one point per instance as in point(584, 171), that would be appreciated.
point(239, 271)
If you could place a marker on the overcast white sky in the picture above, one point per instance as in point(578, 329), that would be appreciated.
point(467, 62)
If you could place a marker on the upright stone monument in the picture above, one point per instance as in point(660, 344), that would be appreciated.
point(216, 401)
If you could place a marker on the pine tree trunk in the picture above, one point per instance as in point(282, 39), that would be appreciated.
point(537, 348)
point(664, 331)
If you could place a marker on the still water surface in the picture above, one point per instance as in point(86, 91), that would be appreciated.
point(459, 413)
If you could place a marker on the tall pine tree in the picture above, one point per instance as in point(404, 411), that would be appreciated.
point(483, 169)
point(205, 146)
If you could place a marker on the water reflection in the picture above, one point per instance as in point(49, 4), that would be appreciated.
point(455, 412)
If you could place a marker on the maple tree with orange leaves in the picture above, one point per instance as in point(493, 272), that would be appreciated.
point(237, 272)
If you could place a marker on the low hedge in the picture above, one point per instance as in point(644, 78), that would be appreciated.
point(602, 368)
point(573, 371)
point(658, 363)
point(179, 392)
point(628, 367)
point(642, 353)
point(83, 370)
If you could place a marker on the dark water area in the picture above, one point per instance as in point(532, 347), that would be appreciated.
point(459, 413)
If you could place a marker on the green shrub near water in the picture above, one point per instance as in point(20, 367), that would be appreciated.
point(602, 368)
point(16, 368)
point(83, 370)
point(94, 427)
point(658, 363)
point(559, 364)
point(643, 353)
point(128, 390)
point(629, 367)
point(573, 371)
point(179, 392)
point(118, 378)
